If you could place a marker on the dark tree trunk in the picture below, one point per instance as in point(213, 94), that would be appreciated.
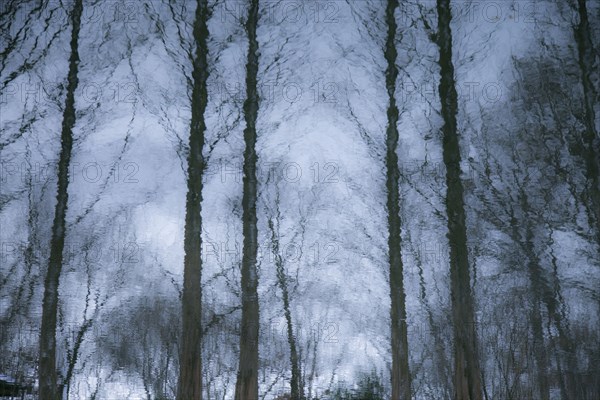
point(246, 387)
point(190, 368)
point(48, 385)
point(467, 374)
point(590, 135)
point(590, 138)
point(401, 381)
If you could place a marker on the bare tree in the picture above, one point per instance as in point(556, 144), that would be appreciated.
point(401, 379)
point(587, 61)
point(190, 367)
point(274, 224)
point(48, 389)
point(467, 374)
point(247, 380)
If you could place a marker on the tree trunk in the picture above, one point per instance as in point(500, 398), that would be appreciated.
point(246, 387)
point(467, 374)
point(401, 382)
point(297, 391)
point(190, 368)
point(590, 135)
point(48, 387)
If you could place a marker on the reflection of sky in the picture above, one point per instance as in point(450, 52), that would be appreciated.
point(322, 113)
